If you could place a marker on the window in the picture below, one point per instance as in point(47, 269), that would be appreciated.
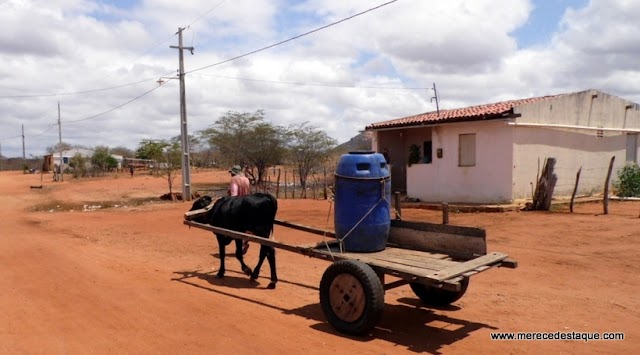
point(467, 150)
point(427, 148)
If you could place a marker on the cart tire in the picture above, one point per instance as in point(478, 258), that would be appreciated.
point(433, 296)
point(351, 296)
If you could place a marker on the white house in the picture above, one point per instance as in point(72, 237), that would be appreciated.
point(51, 160)
point(493, 153)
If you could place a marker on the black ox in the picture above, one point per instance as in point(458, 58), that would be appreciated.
point(251, 213)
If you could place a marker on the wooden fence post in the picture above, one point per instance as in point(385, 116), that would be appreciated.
point(445, 213)
point(575, 189)
point(278, 185)
point(324, 174)
point(285, 183)
point(293, 185)
point(605, 200)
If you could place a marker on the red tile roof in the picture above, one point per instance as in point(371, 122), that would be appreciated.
point(471, 113)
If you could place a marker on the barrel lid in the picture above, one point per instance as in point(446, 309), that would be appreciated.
point(361, 152)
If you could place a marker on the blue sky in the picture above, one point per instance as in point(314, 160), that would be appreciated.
point(101, 60)
point(544, 21)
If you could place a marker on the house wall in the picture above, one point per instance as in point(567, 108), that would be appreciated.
point(489, 181)
point(589, 108)
point(574, 147)
point(571, 150)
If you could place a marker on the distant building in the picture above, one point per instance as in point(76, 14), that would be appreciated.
point(51, 160)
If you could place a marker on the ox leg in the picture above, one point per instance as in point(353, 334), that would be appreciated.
point(271, 257)
point(256, 271)
point(222, 252)
point(268, 253)
point(240, 257)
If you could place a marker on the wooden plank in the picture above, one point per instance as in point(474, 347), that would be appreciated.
point(305, 228)
point(416, 253)
point(509, 263)
point(250, 237)
point(441, 228)
point(465, 247)
point(387, 266)
point(396, 263)
point(396, 256)
point(195, 213)
point(470, 265)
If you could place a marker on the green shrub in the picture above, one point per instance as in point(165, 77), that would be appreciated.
point(628, 184)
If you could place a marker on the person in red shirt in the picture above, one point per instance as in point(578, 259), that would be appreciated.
point(239, 186)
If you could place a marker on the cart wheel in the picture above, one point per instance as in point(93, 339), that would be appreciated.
point(351, 296)
point(433, 296)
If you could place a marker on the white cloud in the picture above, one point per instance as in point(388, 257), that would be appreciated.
point(465, 47)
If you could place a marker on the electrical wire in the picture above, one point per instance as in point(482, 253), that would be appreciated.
point(292, 38)
point(206, 13)
point(78, 92)
point(313, 84)
point(45, 131)
point(10, 137)
point(119, 106)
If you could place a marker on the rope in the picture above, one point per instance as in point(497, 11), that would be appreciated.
point(382, 198)
point(324, 235)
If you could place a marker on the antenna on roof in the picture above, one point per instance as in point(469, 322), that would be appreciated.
point(435, 93)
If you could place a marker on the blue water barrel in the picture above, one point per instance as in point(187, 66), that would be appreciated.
point(362, 201)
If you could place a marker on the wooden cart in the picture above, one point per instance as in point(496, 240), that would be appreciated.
point(435, 260)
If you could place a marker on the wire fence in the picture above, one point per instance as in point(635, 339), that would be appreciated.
point(283, 183)
point(592, 178)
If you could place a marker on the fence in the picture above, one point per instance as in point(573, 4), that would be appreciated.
point(285, 183)
point(282, 183)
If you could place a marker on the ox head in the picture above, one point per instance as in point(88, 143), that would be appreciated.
point(199, 204)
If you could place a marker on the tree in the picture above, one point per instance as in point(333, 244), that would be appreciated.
point(245, 139)
point(309, 148)
point(102, 161)
point(124, 151)
point(265, 147)
point(171, 163)
point(79, 165)
point(168, 157)
point(151, 149)
point(58, 147)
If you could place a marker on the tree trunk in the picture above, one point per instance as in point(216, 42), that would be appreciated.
point(545, 186)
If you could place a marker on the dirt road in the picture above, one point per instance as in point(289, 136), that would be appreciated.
point(134, 279)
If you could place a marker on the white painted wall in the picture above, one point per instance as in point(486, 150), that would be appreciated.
point(572, 150)
point(490, 181)
point(589, 108)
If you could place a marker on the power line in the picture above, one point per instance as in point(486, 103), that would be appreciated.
point(206, 13)
point(77, 92)
point(314, 84)
point(293, 38)
point(122, 105)
point(10, 137)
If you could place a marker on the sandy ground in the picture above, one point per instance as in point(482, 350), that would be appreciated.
point(134, 279)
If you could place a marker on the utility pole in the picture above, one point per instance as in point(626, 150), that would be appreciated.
point(60, 177)
point(24, 157)
point(435, 93)
point(186, 175)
